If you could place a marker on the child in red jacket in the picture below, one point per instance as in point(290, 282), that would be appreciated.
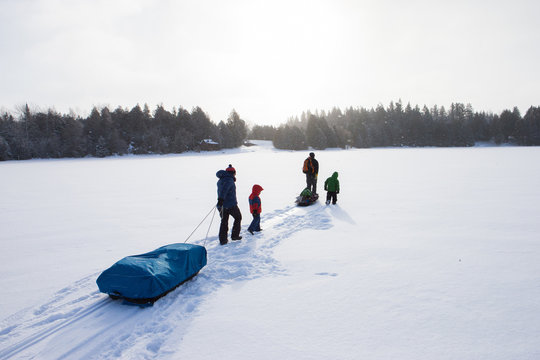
point(255, 209)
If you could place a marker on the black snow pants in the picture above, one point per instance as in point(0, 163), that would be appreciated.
point(331, 195)
point(311, 182)
point(224, 228)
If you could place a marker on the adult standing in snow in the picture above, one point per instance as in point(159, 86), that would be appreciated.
point(311, 169)
point(228, 205)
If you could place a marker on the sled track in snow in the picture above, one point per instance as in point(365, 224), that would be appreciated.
point(154, 331)
point(50, 330)
point(244, 260)
point(252, 257)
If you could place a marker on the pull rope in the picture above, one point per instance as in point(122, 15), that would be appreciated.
point(213, 208)
point(211, 221)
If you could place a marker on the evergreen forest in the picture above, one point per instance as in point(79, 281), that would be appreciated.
point(38, 134)
point(399, 126)
point(104, 133)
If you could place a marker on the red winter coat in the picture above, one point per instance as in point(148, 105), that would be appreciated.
point(255, 200)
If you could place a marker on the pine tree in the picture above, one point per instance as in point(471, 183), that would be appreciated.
point(237, 128)
point(508, 121)
point(315, 135)
point(5, 149)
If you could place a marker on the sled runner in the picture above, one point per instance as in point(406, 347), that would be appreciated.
point(306, 198)
point(144, 278)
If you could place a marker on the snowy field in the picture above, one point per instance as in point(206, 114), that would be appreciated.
point(429, 254)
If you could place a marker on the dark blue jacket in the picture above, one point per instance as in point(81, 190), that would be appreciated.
point(226, 188)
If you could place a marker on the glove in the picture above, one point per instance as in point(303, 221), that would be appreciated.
point(219, 205)
point(255, 212)
point(337, 192)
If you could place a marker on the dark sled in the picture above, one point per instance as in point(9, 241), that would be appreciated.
point(306, 200)
point(142, 279)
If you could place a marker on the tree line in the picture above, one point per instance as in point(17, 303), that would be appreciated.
point(398, 125)
point(103, 133)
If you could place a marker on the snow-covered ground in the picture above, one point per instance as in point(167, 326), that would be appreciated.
point(429, 254)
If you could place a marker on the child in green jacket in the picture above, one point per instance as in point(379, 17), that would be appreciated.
point(331, 185)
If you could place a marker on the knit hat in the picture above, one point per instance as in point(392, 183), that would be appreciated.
point(231, 169)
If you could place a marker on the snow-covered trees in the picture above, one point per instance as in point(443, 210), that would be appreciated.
point(399, 125)
point(103, 133)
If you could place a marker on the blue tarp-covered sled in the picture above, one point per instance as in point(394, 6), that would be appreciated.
point(144, 278)
point(306, 198)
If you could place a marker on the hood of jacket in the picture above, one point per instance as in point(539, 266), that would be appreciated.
point(335, 175)
point(224, 174)
point(226, 188)
point(257, 190)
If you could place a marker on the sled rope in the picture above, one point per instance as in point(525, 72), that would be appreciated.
point(213, 208)
point(211, 221)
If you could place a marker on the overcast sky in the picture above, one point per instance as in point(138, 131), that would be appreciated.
point(269, 60)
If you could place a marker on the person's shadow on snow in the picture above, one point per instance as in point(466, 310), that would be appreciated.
point(340, 214)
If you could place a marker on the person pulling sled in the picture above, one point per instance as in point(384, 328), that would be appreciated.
point(311, 169)
point(227, 204)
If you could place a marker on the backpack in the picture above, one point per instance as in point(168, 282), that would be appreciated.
point(306, 192)
point(307, 166)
